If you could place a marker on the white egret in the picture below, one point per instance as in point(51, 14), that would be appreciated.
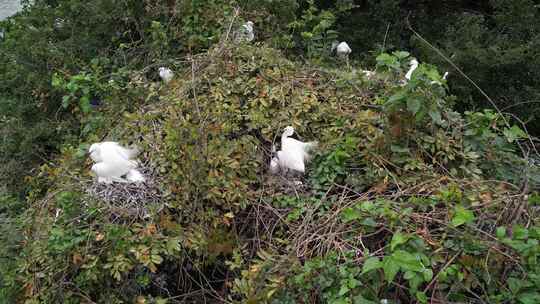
point(413, 65)
point(342, 50)
point(114, 161)
point(166, 74)
point(294, 153)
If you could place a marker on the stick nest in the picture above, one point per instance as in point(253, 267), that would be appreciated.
point(131, 200)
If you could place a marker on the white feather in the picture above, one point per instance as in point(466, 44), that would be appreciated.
point(135, 176)
point(342, 49)
point(166, 74)
point(99, 151)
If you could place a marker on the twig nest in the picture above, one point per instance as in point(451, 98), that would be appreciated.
point(130, 199)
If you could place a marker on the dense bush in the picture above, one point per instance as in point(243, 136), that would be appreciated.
point(407, 199)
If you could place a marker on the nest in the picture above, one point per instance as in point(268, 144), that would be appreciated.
point(130, 200)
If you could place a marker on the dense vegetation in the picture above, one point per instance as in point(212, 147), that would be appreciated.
point(422, 192)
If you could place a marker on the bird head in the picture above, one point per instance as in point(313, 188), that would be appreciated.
point(249, 23)
point(413, 62)
point(162, 69)
point(288, 131)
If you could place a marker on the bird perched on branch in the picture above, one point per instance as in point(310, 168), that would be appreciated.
point(245, 33)
point(293, 155)
point(113, 161)
point(342, 50)
point(166, 74)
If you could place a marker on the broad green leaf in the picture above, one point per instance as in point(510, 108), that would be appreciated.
point(397, 239)
point(462, 216)
point(428, 274)
point(390, 267)
point(421, 297)
point(407, 261)
point(413, 105)
point(500, 232)
point(350, 214)
point(371, 264)
point(401, 54)
point(399, 96)
point(514, 133)
point(435, 116)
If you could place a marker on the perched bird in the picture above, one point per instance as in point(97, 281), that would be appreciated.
point(114, 161)
point(413, 64)
point(342, 50)
point(166, 74)
point(245, 33)
point(294, 153)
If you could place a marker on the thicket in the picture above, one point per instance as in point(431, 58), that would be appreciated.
point(411, 198)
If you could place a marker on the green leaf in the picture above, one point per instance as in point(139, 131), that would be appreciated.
point(343, 290)
point(413, 105)
point(397, 239)
point(399, 96)
point(65, 101)
point(390, 267)
point(428, 274)
point(350, 214)
point(435, 116)
point(462, 216)
point(519, 233)
point(421, 297)
point(398, 149)
point(370, 264)
point(401, 54)
point(500, 232)
point(84, 103)
point(407, 261)
point(529, 298)
point(514, 133)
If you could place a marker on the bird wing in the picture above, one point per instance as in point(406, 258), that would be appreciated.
point(291, 160)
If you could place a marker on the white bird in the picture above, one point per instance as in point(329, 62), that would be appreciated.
point(166, 74)
point(99, 152)
point(294, 153)
point(342, 50)
point(114, 161)
point(413, 65)
point(245, 33)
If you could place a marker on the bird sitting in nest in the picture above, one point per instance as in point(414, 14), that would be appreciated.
point(113, 161)
point(293, 155)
